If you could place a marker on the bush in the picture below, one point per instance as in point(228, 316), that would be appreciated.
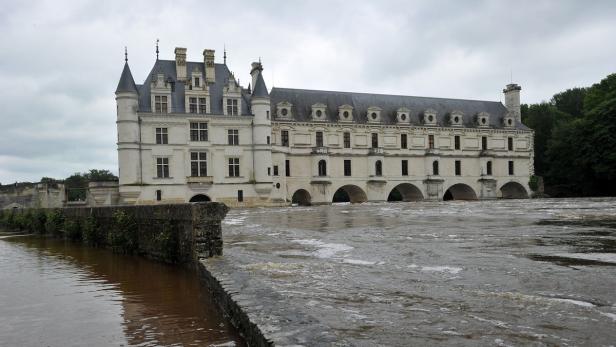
point(167, 242)
point(123, 234)
point(54, 222)
point(72, 230)
point(533, 183)
point(38, 221)
point(92, 233)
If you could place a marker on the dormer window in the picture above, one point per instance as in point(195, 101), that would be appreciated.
point(483, 119)
point(456, 118)
point(345, 113)
point(318, 111)
point(374, 114)
point(509, 121)
point(197, 82)
point(429, 117)
point(161, 105)
point(232, 107)
point(283, 110)
point(403, 115)
point(232, 104)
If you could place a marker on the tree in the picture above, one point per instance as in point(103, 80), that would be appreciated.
point(100, 175)
point(570, 101)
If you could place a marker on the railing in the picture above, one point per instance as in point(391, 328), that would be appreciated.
point(376, 151)
point(200, 179)
point(320, 150)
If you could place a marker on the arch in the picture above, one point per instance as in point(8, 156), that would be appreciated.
point(460, 191)
point(435, 168)
point(322, 168)
point(378, 168)
point(513, 190)
point(200, 198)
point(350, 193)
point(301, 197)
point(405, 192)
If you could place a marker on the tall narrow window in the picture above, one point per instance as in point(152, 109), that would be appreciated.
point(378, 168)
point(405, 167)
point(197, 81)
point(322, 168)
point(431, 141)
point(435, 168)
point(234, 167)
point(160, 104)
point(275, 170)
point(347, 167)
point(287, 168)
point(458, 168)
point(233, 137)
point(202, 106)
point(489, 168)
point(511, 167)
point(198, 131)
point(347, 140)
point(159, 195)
point(162, 167)
point(232, 109)
point(192, 105)
point(198, 164)
point(375, 140)
point(284, 137)
point(240, 196)
point(403, 141)
point(162, 136)
point(510, 143)
point(456, 142)
point(267, 140)
point(319, 139)
point(484, 143)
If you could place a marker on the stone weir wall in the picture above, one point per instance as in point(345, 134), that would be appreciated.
point(178, 233)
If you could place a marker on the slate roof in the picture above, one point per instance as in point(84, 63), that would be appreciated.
point(126, 83)
point(260, 90)
point(303, 99)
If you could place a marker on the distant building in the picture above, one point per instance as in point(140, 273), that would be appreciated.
point(190, 132)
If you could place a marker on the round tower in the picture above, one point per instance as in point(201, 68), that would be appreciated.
point(127, 102)
point(262, 128)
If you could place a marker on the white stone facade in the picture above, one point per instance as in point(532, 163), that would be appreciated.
point(210, 138)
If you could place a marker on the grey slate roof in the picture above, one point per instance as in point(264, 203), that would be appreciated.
point(260, 90)
point(127, 83)
point(302, 101)
point(167, 67)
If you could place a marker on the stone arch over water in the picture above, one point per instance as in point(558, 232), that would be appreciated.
point(200, 198)
point(513, 190)
point(405, 192)
point(301, 197)
point(460, 191)
point(350, 193)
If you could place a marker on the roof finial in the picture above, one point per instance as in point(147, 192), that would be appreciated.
point(259, 60)
point(157, 48)
point(224, 56)
point(125, 54)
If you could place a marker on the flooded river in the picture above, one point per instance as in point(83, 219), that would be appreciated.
point(489, 273)
point(56, 293)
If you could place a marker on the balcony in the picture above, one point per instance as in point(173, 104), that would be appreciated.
point(374, 179)
point(376, 151)
point(321, 180)
point(432, 151)
point(320, 150)
point(486, 153)
point(200, 179)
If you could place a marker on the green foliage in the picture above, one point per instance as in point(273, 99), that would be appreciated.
point(167, 241)
point(54, 222)
point(123, 234)
point(100, 175)
point(571, 101)
point(533, 183)
point(38, 221)
point(92, 233)
point(72, 229)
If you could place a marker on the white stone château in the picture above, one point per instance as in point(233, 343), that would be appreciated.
point(190, 132)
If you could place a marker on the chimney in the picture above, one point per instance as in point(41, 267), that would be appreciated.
point(255, 71)
point(512, 100)
point(208, 61)
point(180, 63)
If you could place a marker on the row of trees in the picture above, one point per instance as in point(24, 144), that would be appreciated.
point(575, 140)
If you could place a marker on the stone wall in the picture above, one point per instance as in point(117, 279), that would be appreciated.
point(32, 195)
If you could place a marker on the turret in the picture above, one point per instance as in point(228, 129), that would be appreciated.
point(512, 100)
point(260, 106)
point(127, 101)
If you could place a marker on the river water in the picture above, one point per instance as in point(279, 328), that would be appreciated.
point(488, 273)
point(57, 293)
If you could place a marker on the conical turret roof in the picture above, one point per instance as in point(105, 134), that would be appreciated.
point(127, 83)
point(260, 90)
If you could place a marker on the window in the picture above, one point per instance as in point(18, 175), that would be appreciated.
point(484, 143)
point(192, 105)
point(405, 168)
point(198, 164)
point(275, 170)
point(319, 139)
point(431, 141)
point(232, 109)
point(435, 168)
point(287, 168)
point(234, 167)
point(202, 106)
point(162, 167)
point(510, 143)
point(160, 104)
point(267, 140)
point(159, 195)
point(347, 140)
point(240, 196)
point(162, 136)
point(322, 168)
point(378, 168)
point(267, 116)
point(197, 81)
point(456, 142)
point(489, 168)
point(510, 167)
point(269, 171)
point(403, 141)
point(458, 168)
point(198, 131)
point(375, 140)
point(233, 137)
point(347, 167)
point(284, 136)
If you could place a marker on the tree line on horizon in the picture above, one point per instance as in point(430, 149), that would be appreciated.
point(575, 140)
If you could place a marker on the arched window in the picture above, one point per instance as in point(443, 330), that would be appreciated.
point(489, 168)
point(322, 168)
point(378, 168)
point(435, 168)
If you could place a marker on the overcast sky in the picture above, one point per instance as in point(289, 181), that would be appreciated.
point(60, 60)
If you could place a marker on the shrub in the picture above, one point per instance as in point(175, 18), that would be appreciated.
point(123, 234)
point(38, 221)
point(72, 230)
point(533, 183)
point(92, 233)
point(54, 222)
point(167, 242)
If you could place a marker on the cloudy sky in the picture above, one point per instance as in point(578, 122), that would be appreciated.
point(61, 59)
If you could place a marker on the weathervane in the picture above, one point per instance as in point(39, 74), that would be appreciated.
point(125, 54)
point(157, 49)
point(225, 54)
